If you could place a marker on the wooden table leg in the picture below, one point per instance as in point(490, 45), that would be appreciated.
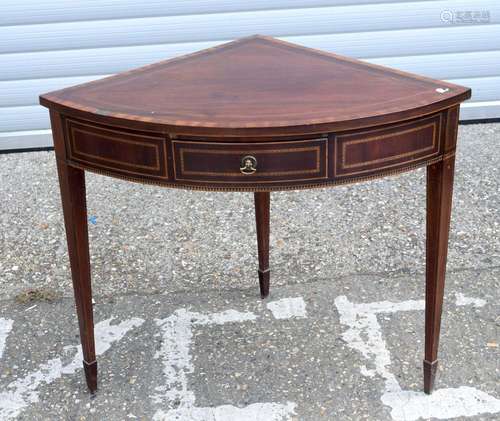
point(72, 184)
point(439, 196)
point(262, 205)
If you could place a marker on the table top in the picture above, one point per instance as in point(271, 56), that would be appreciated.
point(258, 83)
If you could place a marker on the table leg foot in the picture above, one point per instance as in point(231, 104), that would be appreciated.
point(264, 276)
point(430, 369)
point(91, 375)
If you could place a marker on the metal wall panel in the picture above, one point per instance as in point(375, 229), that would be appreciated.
point(50, 11)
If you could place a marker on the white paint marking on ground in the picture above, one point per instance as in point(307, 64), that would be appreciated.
point(177, 336)
point(5, 328)
point(287, 308)
point(365, 335)
point(22, 392)
point(253, 412)
point(390, 307)
point(228, 316)
point(175, 353)
point(463, 300)
point(446, 403)
point(105, 335)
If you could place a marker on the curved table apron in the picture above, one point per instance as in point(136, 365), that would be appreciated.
point(260, 160)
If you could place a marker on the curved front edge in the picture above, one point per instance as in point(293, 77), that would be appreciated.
point(372, 151)
point(212, 164)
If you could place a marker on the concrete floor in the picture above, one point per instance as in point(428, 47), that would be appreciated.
point(182, 334)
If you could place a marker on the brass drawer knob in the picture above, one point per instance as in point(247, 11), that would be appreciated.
point(248, 164)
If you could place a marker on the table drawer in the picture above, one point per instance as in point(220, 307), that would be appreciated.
point(116, 150)
point(388, 147)
point(214, 162)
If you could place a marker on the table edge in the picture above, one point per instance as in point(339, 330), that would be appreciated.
point(180, 128)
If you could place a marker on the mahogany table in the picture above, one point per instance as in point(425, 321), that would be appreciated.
point(257, 115)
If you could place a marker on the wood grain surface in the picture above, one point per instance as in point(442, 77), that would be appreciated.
point(257, 83)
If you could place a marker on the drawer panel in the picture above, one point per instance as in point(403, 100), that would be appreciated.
point(386, 148)
point(127, 152)
point(267, 163)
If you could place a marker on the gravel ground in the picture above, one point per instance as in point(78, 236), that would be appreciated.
point(155, 251)
point(148, 238)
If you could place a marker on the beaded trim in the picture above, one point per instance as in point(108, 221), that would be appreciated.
point(267, 188)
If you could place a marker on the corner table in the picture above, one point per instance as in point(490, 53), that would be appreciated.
point(258, 115)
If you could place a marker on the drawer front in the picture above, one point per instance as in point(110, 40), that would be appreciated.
point(239, 163)
point(387, 148)
point(125, 152)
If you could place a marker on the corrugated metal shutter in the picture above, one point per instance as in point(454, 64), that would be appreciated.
point(50, 44)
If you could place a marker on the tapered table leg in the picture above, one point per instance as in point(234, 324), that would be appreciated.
point(439, 196)
point(262, 205)
point(72, 184)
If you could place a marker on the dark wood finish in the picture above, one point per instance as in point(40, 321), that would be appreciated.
point(123, 152)
point(276, 162)
point(396, 146)
point(253, 85)
point(72, 183)
point(262, 215)
point(439, 194)
point(450, 140)
point(74, 204)
point(259, 115)
point(289, 163)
